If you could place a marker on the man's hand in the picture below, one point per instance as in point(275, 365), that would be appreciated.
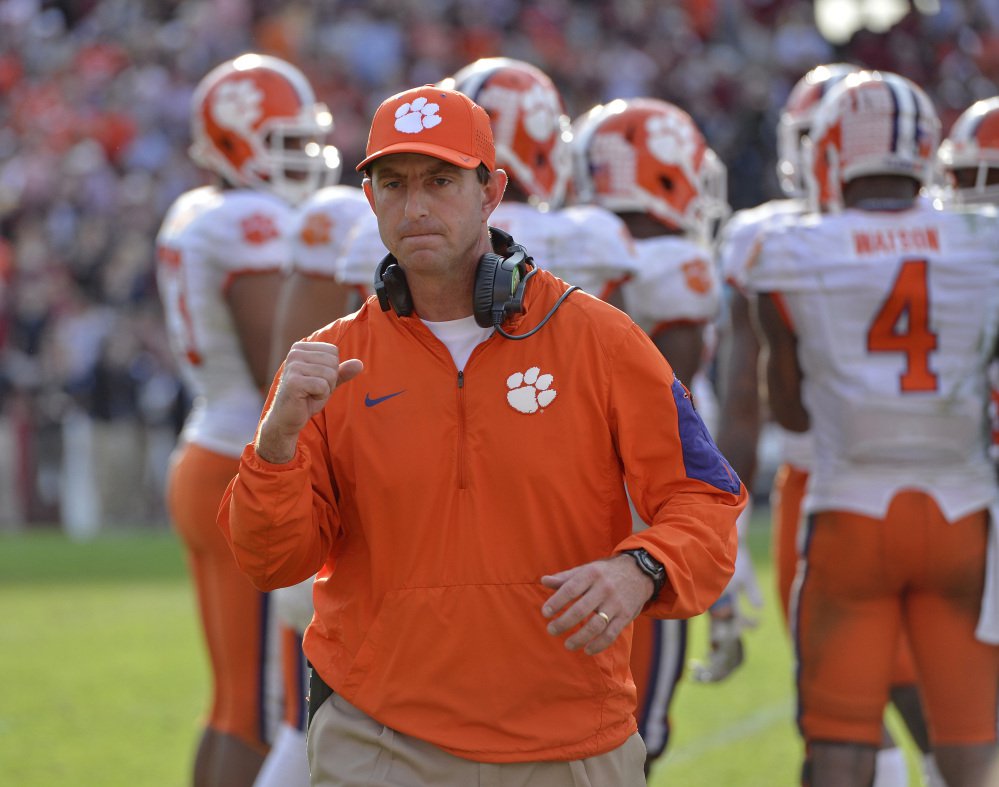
point(605, 596)
point(312, 371)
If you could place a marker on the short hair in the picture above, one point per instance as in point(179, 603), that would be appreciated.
point(481, 172)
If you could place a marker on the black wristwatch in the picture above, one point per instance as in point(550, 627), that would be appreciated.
point(651, 567)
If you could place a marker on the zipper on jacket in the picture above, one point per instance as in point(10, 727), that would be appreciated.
point(462, 481)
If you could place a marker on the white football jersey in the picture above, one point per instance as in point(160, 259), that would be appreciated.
point(584, 245)
point(323, 223)
point(895, 315)
point(740, 233)
point(602, 254)
point(209, 237)
point(362, 252)
point(675, 281)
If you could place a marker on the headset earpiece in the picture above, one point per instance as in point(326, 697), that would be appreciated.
point(499, 285)
point(391, 287)
point(498, 290)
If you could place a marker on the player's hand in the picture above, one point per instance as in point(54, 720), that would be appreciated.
point(726, 652)
point(312, 371)
point(614, 586)
point(729, 619)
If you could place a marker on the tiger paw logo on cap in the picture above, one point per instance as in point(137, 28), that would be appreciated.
point(412, 118)
point(414, 122)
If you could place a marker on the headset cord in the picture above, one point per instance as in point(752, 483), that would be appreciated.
point(544, 320)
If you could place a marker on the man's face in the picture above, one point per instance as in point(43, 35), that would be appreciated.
point(430, 213)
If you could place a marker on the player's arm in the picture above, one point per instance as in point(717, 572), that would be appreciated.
point(781, 359)
point(682, 344)
point(305, 303)
point(251, 301)
point(739, 392)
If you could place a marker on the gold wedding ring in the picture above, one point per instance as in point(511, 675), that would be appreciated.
point(603, 615)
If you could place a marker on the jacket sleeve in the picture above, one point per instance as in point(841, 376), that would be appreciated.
point(281, 521)
point(677, 478)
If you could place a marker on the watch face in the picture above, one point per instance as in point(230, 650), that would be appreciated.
point(651, 563)
point(648, 564)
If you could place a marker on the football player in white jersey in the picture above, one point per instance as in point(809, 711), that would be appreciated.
point(584, 245)
point(741, 409)
point(257, 126)
point(646, 161)
point(880, 318)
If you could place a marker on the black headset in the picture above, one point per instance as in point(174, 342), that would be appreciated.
point(498, 291)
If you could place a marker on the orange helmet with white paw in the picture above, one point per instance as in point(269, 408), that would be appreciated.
point(647, 155)
point(529, 121)
point(255, 121)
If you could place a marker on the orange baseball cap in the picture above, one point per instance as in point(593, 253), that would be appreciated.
point(433, 121)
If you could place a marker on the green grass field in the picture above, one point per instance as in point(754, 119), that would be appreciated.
point(104, 675)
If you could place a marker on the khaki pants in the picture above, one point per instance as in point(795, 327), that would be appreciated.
point(347, 748)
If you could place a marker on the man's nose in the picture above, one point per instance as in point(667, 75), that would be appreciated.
point(416, 202)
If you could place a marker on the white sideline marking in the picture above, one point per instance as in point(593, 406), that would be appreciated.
point(769, 716)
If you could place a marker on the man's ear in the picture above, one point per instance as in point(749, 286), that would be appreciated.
point(493, 190)
point(368, 191)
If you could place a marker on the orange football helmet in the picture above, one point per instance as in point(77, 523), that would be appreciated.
point(970, 151)
point(796, 120)
point(255, 121)
point(530, 124)
point(645, 154)
point(870, 123)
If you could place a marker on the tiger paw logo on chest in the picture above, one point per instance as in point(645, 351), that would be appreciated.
point(531, 391)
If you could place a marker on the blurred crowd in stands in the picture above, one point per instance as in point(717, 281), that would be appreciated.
point(93, 148)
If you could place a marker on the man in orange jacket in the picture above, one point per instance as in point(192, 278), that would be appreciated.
point(464, 499)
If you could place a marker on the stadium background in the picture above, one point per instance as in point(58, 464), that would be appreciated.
point(93, 136)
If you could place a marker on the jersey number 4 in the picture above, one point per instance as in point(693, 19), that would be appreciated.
point(902, 325)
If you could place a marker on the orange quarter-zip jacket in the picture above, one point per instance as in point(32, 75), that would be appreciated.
point(431, 502)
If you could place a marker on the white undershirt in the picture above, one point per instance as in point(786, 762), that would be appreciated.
point(460, 337)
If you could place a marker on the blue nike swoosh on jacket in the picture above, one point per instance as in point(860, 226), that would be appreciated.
point(369, 402)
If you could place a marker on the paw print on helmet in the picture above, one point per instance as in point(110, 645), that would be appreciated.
point(237, 105)
point(530, 391)
point(412, 118)
point(670, 140)
point(541, 112)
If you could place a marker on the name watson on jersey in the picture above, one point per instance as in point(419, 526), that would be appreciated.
point(899, 239)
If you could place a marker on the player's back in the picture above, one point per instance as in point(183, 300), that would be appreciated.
point(208, 237)
point(895, 316)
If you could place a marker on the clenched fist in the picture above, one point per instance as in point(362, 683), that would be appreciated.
point(311, 373)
